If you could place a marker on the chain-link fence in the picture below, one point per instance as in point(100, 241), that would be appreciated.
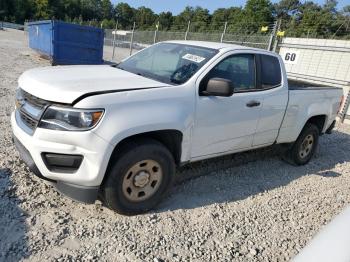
point(118, 41)
point(11, 25)
point(121, 43)
point(326, 29)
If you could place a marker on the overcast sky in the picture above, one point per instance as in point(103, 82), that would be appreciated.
point(176, 6)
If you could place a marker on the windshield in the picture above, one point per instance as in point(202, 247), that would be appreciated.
point(168, 62)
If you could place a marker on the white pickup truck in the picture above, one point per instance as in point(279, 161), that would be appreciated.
point(118, 132)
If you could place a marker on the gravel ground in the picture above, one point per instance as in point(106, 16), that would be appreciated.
point(119, 54)
point(245, 207)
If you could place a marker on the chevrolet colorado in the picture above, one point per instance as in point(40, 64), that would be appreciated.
point(119, 131)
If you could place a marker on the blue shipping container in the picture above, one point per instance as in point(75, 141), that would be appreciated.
point(65, 43)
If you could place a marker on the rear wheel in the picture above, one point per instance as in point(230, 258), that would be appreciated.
point(304, 147)
point(139, 178)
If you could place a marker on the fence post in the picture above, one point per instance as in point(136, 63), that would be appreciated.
point(223, 33)
point(345, 107)
point(155, 33)
point(132, 38)
point(188, 29)
point(272, 36)
point(114, 38)
point(279, 22)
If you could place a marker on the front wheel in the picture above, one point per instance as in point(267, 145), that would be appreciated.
point(304, 147)
point(138, 179)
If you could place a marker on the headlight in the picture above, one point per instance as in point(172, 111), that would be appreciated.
point(70, 119)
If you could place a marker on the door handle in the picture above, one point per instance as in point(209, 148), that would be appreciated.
point(253, 103)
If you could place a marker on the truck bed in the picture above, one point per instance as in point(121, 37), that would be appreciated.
point(303, 85)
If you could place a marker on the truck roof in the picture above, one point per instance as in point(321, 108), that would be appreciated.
point(212, 45)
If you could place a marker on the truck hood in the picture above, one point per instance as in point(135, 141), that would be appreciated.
point(64, 84)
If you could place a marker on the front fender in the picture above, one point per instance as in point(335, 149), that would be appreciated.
point(136, 112)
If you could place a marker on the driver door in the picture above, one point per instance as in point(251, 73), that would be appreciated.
point(225, 124)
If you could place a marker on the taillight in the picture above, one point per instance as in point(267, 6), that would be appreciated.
point(340, 104)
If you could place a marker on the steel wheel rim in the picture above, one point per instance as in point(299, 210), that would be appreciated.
point(142, 180)
point(306, 146)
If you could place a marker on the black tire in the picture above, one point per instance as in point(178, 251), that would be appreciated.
point(131, 154)
point(295, 155)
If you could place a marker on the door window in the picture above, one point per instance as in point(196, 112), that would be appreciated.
point(240, 69)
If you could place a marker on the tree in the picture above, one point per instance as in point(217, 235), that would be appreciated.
point(346, 10)
point(145, 18)
point(330, 6)
point(181, 20)
point(91, 9)
point(316, 21)
point(232, 16)
point(284, 9)
point(257, 13)
point(6, 9)
point(42, 9)
point(21, 10)
point(56, 9)
point(200, 20)
point(108, 24)
point(125, 15)
point(165, 20)
point(72, 8)
point(107, 11)
point(299, 18)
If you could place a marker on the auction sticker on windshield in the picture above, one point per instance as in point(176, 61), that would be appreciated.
point(194, 58)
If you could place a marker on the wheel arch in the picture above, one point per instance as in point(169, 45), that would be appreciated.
point(170, 138)
point(318, 120)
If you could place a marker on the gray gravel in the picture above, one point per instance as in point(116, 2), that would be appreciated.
point(246, 207)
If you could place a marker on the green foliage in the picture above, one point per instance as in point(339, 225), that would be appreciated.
point(201, 19)
point(106, 24)
point(258, 12)
point(299, 17)
point(42, 9)
point(181, 20)
point(165, 20)
point(107, 10)
point(125, 15)
point(145, 18)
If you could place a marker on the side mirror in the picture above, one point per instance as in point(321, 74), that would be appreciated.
point(219, 87)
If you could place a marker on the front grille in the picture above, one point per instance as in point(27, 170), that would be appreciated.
point(30, 109)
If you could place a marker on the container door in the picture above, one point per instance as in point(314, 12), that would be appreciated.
point(40, 37)
point(76, 44)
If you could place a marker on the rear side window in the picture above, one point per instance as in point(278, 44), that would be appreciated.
point(270, 71)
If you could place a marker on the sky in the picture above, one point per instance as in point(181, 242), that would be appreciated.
point(176, 6)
